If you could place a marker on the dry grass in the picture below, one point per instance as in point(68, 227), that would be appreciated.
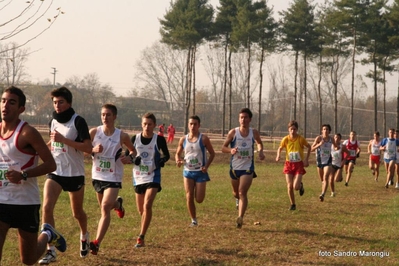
point(363, 216)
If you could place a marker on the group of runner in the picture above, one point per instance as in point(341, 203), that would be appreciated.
point(63, 163)
point(70, 139)
point(332, 157)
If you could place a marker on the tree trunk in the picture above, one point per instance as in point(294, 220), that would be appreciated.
point(305, 94)
point(295, 83)
point(188, 89)
point(249, 76)
point(224, 89)
point(353, 79)
point(375, 90)
point(319, 91)
point(230, 89)
point(262, 56)
point(193, 75)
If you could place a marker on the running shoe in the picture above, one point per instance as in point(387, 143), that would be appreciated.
point(140, 243)
point(56, 238)
point(193, 224)
point(50, 256)
point(321, 197)
point(397, 185)
point(293, 207)
point(301, 190)
point(239, 221)
point(121, 210)
point(84, 246)
point(94, 247)
point(332, 194)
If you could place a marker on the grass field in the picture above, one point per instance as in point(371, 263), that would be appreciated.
point(362, 217)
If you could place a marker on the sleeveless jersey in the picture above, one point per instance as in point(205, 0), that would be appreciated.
point(294, 148)
point(146, 172)
point(11, 157)
point(323, 153)
point(69, 160)
point(352, 148)
point(107, 165)
point(194, 154)
point(336, 156)
point(390, 149)
point(244, 158)
point(375, 148)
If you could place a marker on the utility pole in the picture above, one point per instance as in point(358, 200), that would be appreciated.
point(55, 71)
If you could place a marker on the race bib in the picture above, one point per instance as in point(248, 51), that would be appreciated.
point(4, 168)
point(146, 167)
point(105, 164)
point(244, 154)
point(193, 163)
point(325, 153)
point(294, 157)
point(58, 147)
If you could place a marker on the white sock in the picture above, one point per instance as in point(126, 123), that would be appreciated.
point(84, 237)
point(49, 236)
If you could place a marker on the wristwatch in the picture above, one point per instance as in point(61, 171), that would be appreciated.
point(24, 175)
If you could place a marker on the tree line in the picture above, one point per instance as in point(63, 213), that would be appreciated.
point(322, 37)
point(308, 56)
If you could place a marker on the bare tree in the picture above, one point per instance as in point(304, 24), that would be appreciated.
point(12, 64)
point(161, 71)
point(27, 21)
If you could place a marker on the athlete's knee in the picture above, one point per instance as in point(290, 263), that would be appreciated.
point(199, 200)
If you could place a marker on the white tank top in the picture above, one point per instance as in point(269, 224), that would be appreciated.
point(323, 152)
point(11, 157)
point(390, 149)
point(336, 156)
point(144, 173)
point(375, 148)
point(70, 161)
point(105, 165)
point(244, 158)
point(194, 154)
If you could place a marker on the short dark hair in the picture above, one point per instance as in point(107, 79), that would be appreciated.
point(111, 107)
point(195, 117)
point(19, 93)
point(150, 116)
point(293, 123)
point(247, 111)
point(62, 92)
point(326, 125)
point(339, 135)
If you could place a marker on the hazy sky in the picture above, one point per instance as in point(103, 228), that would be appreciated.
point(103, 37)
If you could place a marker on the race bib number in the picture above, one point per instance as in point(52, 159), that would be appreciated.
point(145, 168)
point(105, 164)
point(352, 153)
point(4, 168)
point(58, 147)
point(244, 154)
point(294, 157)
point(192, 163)
point(325, 153)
